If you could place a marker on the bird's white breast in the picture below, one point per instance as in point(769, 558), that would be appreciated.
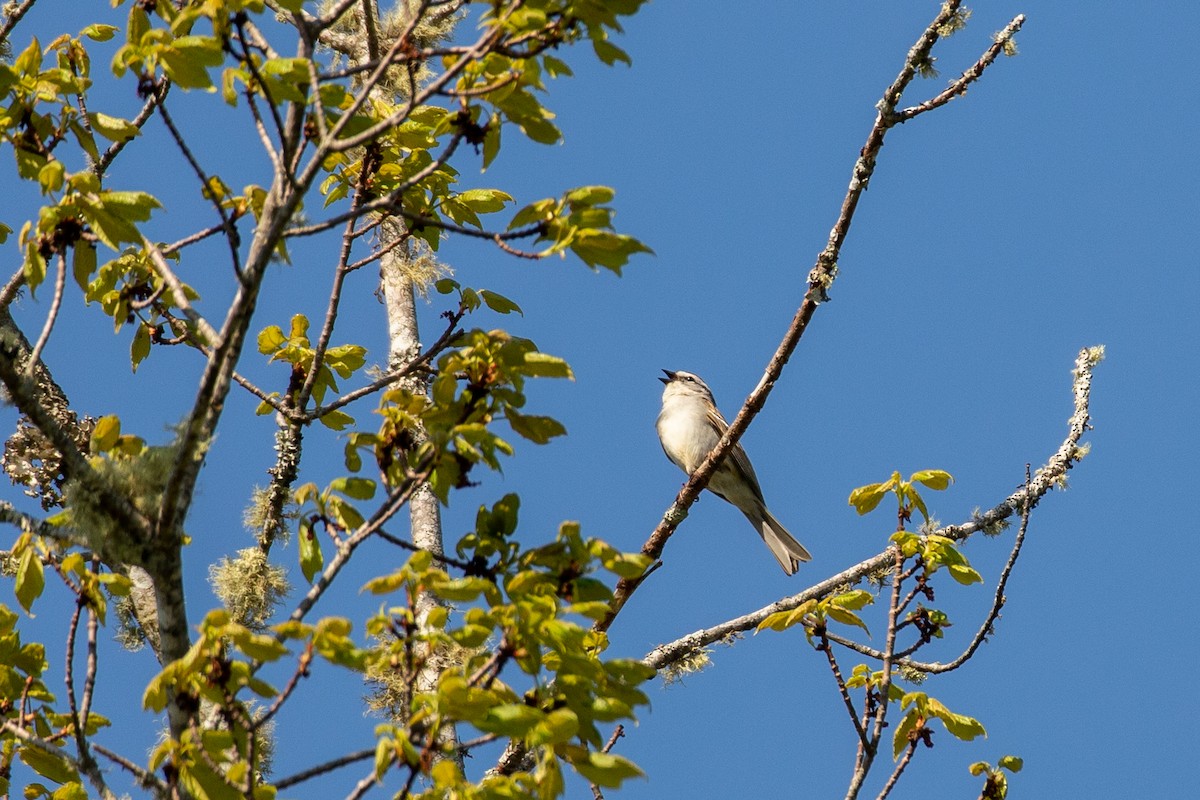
point(684, 430)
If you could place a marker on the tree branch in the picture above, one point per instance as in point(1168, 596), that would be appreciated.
point(1003, 41)
point(819, 280)
point(1027, 497)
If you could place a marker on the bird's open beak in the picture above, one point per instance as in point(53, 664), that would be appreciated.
point(670, 376)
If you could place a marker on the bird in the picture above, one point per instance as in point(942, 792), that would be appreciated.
point(689, 427)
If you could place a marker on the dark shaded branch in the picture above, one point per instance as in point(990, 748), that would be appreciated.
point(41, 400)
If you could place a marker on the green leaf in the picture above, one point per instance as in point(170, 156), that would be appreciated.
point(312, 560)
point(609, 53)
point(491, 142)
point(537, 429)
point(853, 599)
point(271, 339)
point(900, 738)
point(979, 767)
point(845, 617)
point(30, 580)
point(34, 266)
point(346, 359)
point(782, 620)
point(499, 303)
point(83, 263)
point(559, 726)
point(605, 248)
point(590, 195)
point(627, 565)
point(935, 479)
point(99, 33)
point(358, 488)
point(866, 498)
point(202, 783)
point(260, 647)
point(51, 176)
point(605, 769)
point(336, 420)
point(70, 791)
point(510, 719)
point(30, 60)
point(140, 347)
point(49, 765)
point(106, 433)
point(964, 575)
point(114, 129)
point(959, 725)
point(544, 365)
point(185, 60)
point(1011, 763)
point(484, 201)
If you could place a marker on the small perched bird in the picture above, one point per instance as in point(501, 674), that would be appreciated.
point(689, 427)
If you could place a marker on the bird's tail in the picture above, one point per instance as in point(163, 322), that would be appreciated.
point(787, 551)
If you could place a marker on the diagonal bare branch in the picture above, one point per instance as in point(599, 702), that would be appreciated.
point(1052, 474)
point(819, 280)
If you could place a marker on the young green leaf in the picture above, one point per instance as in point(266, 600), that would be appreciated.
point(49, 765)
point(537, 429)
point(1011, 763)
point(140, 348)
point(499, 303)
point(935, 479)
point(30, 579)
point(866, 498)
point(311, 558)
point(106, 433)
point(114, 129)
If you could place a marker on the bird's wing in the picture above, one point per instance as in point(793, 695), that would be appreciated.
point(737, 457)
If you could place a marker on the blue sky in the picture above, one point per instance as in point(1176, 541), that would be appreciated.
point(1053, 207)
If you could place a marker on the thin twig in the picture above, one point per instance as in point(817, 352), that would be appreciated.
point(301, 671)
point(339, 281)
point(449, 335)
point(898, 771)
point(13, 15)
point(60, 287)
point(441, 558)
point(248, 60)
point(232, 236)
point(179, 298)
point(841, 684)
point(321, 769)
point(198, 236)
point(346, 548)
point(959, 86)
point(985, 629)
point(145, 778)
point(155, 99)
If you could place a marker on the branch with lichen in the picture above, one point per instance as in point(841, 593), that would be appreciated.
point(1052, 475)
